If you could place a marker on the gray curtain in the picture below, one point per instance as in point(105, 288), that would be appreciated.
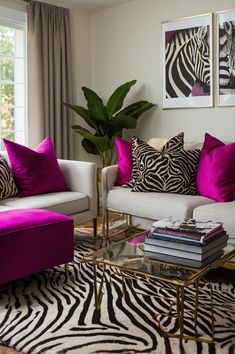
point(49, 75)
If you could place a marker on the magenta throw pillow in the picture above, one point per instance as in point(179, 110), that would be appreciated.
point(216, 171)
point(124, 157)
point(35, 171)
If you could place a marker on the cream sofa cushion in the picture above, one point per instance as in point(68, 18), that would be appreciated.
point(154, 205)
point(61, 202)
point(223, 212)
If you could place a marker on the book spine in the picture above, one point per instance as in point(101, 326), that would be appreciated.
point(183, 254)
point(186, 246)
point(188, 235)
point(200, 228)
point(173, 238)
point(177, 233)
point(172, 252)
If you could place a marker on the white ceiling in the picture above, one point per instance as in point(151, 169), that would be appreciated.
point(96, 5)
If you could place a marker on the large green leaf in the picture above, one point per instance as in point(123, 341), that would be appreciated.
point(78, 128)
point(136, 109)
point(115, 101)
point(122, 121)
point(84, 113)
point(101, 142)
point(132, 107)
point(90, 147)
point(95, 104)
point(137, 113)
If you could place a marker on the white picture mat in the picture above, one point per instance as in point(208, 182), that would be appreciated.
point(226, 16)
point(188, 102)
point(189, 22)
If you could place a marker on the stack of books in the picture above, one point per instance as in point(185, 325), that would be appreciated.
point(188, 242)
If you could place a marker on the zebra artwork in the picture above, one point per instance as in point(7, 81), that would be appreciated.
point(187, 58)
point(227, 57)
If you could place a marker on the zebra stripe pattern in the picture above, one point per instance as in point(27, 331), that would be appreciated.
point(8, 187)
point(226, 56)
point(44, 314)
point(187, 60)
point(174, 144)
point(170, 170)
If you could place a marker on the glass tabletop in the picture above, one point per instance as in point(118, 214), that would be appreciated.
point(128, 255)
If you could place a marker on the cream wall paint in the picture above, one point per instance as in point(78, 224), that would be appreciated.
point(126, 44)
point(81, 54)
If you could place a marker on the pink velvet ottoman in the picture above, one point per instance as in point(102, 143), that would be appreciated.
point(32, 240)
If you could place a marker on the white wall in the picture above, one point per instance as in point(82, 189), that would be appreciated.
point(126, 44)
point(81, 54)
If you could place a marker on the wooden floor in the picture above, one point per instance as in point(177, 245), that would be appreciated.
point(5, 350)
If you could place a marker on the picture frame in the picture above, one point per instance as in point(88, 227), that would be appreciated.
point(225, 58)
point(187, 62)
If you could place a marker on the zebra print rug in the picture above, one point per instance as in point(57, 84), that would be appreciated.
point(45, 314)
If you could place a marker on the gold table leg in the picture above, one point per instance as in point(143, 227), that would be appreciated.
point(196, 308)
point(212, 316)
point(180, 309)
point(95, 228)
point(98, 290)
point(123, 286)
point(107, 224)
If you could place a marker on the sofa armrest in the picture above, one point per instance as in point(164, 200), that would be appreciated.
point(109, 177)
point(81, 176)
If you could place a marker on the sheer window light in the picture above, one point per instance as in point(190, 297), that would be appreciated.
point(12, 76)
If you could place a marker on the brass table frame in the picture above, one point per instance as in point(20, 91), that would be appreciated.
point(180, 287)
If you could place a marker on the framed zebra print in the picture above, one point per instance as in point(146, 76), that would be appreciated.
point(187, 62)
point(225, 23)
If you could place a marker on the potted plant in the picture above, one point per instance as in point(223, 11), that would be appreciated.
point(107, 121)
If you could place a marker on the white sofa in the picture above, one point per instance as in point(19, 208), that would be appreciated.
point(79, 202)
point(145, 208)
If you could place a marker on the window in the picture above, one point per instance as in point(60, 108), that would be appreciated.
point(12, 76)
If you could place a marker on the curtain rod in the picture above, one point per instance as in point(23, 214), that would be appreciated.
point(27, 1)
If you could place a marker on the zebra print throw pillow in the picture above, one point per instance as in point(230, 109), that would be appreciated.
point(174, 144)
point(170, 170)
point(8, 187)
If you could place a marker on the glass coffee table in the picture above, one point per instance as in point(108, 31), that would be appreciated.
point(128, 259)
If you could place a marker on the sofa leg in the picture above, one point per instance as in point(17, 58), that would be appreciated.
point(106, 224)
point(128, 218)
point(66, 269)
point(103, 222)
point(95, 227)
